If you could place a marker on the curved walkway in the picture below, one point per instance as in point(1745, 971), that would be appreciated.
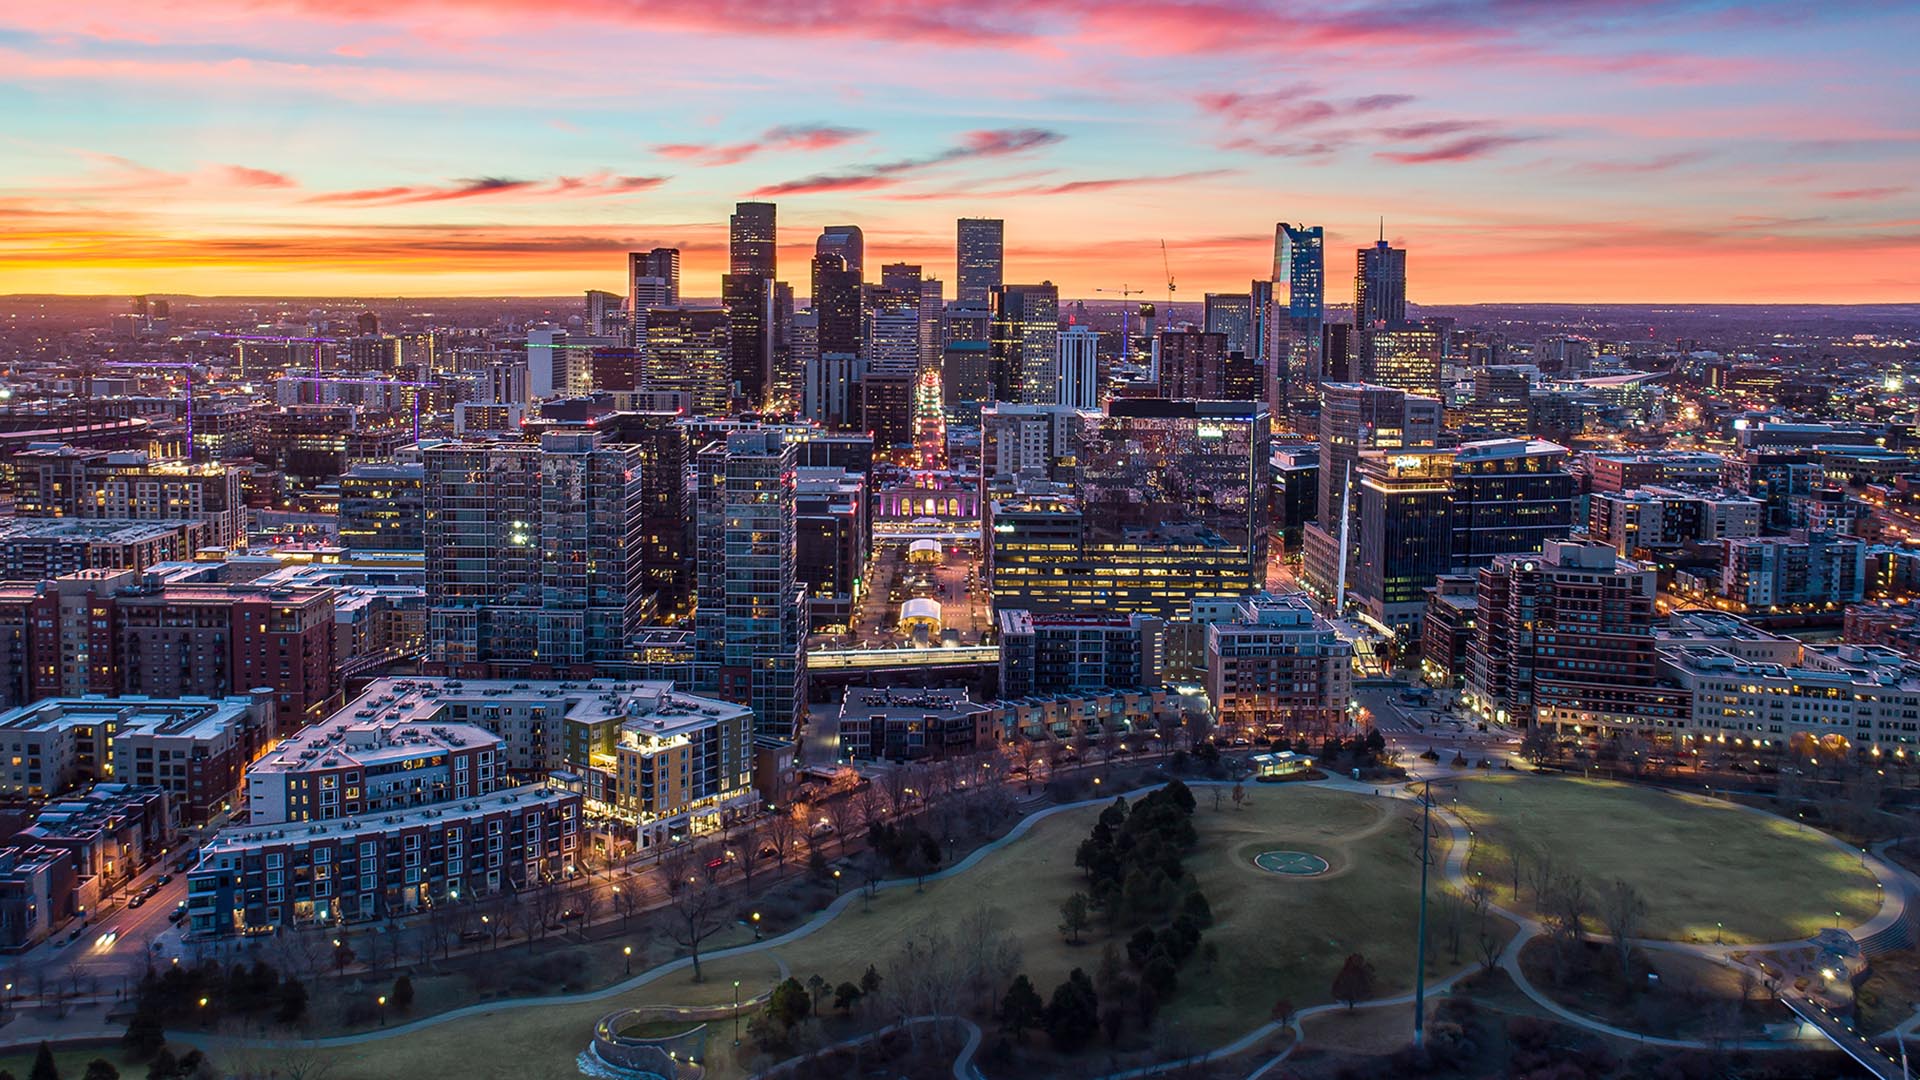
point(962, 1063)
point(1454, 869)
point(488, 1008)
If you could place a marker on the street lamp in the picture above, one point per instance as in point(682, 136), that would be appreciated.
point(756, 926)
point(736, 1012)
point(836, 883)
point(383, 1010)
point(627, 951)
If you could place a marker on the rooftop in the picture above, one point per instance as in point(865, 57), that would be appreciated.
point(187, 717)
point(240, 838)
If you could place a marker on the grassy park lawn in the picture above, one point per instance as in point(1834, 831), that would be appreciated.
point(1697, 862)
point(1277, 936)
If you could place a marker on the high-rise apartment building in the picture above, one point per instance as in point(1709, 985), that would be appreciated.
point(750, 623)
point(979, 258)
point(128, 485)
point(533, 552)
point(1024, 337)
point(1566, 636)
point(752, 240)
point(1078, 367)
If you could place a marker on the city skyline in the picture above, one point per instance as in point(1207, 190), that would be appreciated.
point(1685, 153)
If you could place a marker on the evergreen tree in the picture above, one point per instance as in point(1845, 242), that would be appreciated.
point(101, 1069)
point(43, 1066)
point(1073, 1015)
point(293, 1002)
point(402, 993)
point(1021, 1008)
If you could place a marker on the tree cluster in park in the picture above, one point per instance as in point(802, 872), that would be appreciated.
point(1136, 881)
point(45, 1068)
point(204, 993)
point(1132, 859)
point(905, 848)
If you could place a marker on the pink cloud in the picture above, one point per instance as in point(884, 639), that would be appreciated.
point(1464, 149)
point(1865, 193)
point(805, 137)
point(597, 184)
point(973, 144)
point(244, 176)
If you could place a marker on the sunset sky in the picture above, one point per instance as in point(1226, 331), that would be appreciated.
point(1634, 150)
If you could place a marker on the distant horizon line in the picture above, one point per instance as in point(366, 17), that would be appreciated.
point(383, 298)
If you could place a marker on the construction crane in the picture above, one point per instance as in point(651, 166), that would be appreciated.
point(1126, 317)
point(339, 380)
point(1164, 262)
point(169, 364)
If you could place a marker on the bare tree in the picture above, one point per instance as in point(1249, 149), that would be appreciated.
point(1622, 911)
point(1516, 867)
point(626, 897)
point(698, 902)
point(783, 828)
point(902, 785)
point(1540, 877)
point(586, 900)
point(1538, 745)
point(747, 843)
point(871, 801)
point(1108, 742)
point(543, 910)
point(508, 910)
point(840, 811)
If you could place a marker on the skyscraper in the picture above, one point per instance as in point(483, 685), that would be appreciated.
point(979, 258)
point(1299, 282)
point(1380, 287)
point(836, 303)
point(748, 299)
point(690, 350)
point(750, 623)
point(1024, 336)
point(603, 311)
point(1231, 316)
point(846, 242)
point(751, 240)
point(1079, 368)
point(533, 551)
point(653, 281)
point(1356, 417)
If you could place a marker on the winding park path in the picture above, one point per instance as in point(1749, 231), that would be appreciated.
point(1894, 886)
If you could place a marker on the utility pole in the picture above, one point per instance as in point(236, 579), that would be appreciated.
point(1420, 963)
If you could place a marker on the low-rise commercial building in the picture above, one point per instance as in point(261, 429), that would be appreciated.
point(1838, 697)
point(907, 724)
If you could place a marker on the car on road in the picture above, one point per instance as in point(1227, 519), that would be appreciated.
point(139, 898)
point(163, 879)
